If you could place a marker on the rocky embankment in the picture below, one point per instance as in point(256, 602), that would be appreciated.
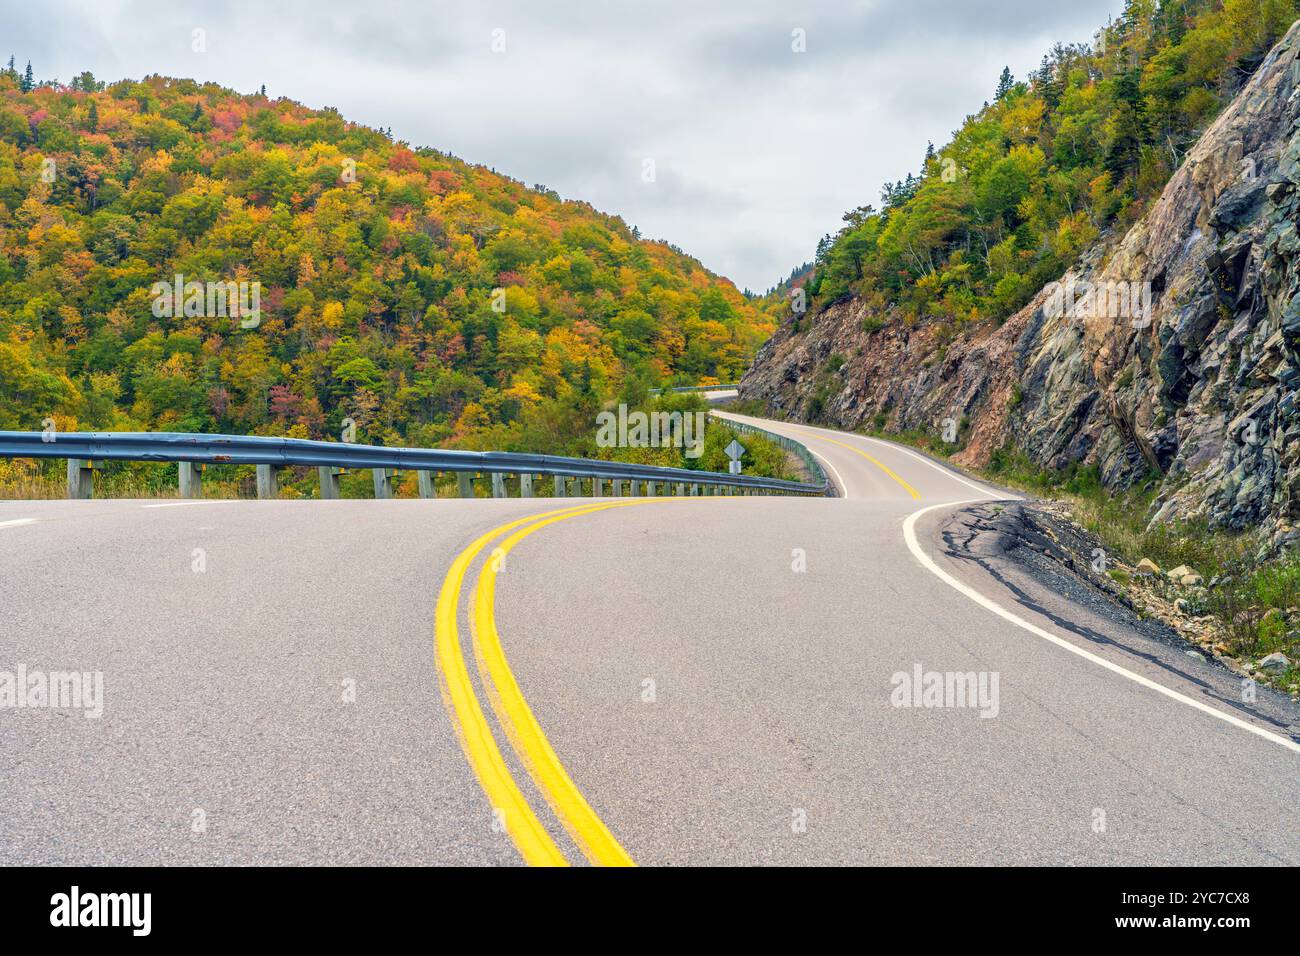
point(1200, 388)
point(1052, 567)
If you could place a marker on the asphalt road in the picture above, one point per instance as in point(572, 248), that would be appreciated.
point(711, 680)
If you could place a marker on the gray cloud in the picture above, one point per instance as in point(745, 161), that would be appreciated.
point(758, 150)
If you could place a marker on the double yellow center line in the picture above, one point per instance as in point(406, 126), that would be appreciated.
point(509, 804)
point(516, 718)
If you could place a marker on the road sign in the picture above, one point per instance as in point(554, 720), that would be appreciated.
point(735, 450)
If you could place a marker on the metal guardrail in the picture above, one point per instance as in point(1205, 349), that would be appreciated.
point(796, 448)
point(192, 451)
point(696, 388)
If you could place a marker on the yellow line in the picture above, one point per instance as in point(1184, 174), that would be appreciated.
point(916, 495)
point(534, 843)
point(521, 726)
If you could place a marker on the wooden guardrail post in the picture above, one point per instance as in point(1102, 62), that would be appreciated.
point(268, 484)
point(383, 478)
point(526, 484)
point(191, 479)
point(498, 485)
point(426, 483)
point(464, 484)
point(329, 480)
point(81, 478)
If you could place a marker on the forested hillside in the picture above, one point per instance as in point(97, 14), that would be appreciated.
point(1051, 163)
point(431, 301)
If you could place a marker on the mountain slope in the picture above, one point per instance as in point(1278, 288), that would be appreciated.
point(426, 299)
point(1198, 390)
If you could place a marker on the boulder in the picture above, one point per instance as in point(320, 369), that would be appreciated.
point(1275, 663)
point(1185, 576)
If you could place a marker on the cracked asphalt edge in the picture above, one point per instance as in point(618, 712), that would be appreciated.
point(1044, 562)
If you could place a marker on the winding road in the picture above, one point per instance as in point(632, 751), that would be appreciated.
point(610, 681)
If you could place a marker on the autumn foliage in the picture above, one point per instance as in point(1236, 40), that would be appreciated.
point(429, 300)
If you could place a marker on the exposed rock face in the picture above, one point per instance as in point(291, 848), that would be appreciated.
point(1201, 387)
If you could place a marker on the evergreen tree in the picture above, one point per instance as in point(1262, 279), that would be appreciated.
point(1005, 82)
point(29, 83)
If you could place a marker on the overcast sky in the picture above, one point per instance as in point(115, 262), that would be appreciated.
point(757, 149)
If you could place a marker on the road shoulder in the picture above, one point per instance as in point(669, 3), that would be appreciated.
point(1023, 558)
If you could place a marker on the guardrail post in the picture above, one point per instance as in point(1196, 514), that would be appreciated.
point(329, 480)
point(596, 490)
point(614, 490)
point(498, 485)
point(81, 478)
point(191, 479)
point(268, 485)
point(695, 490)
point(575, 487)
point(426, 482)
point(526, 484)
point(681, 489)
point(383, 478)
point(464, 484)
point(559, 486)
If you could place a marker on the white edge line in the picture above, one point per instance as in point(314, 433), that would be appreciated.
point(15, 522)
point(909, 535)
point(844, 487)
